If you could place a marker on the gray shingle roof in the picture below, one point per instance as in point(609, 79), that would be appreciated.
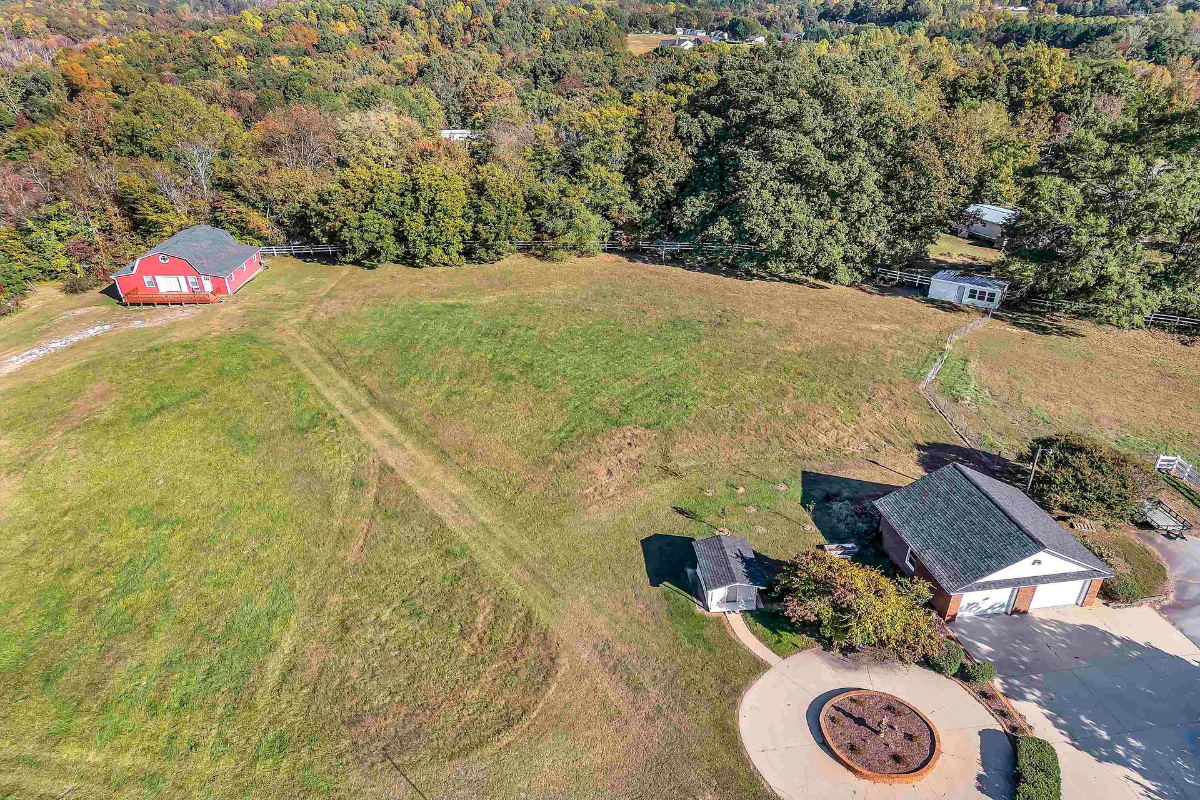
point(964, 526)
point(726, 560)
point(211, 251)
point(955, 276)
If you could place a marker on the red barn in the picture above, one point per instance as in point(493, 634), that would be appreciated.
point(196, 265)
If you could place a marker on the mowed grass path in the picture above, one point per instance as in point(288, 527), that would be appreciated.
point(210, 588)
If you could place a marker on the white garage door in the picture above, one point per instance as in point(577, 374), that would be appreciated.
point(978, 604)
point(170, 283)
point(1058, 594)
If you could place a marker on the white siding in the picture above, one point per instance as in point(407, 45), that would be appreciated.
point(943, 290)
point(1049, 595)
point(991, 601)
point(953, 292)
point(718, 599)
point(1047, 564)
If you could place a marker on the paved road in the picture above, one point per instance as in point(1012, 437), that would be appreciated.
point(1183, 562)
point(1113, 690)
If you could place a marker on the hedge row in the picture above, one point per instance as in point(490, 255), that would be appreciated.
point(1038, 775)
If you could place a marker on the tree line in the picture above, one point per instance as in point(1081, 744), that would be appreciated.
point(830, 158)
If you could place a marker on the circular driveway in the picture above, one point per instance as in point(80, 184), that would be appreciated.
point(778, 721)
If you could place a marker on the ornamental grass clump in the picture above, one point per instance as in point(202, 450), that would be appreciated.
point(857, 607)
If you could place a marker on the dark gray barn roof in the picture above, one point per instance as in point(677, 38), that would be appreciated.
point(964, 526)
point(726, 560)
point(211, 251)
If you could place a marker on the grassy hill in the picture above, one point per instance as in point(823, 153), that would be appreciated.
point(352, 528)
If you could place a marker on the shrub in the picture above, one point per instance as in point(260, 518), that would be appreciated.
point(1083, 476)
point(1121, 589)
point(947, 659)
point(977, 673)
point(80, 283)
point(1038, 775)
point(859, 607)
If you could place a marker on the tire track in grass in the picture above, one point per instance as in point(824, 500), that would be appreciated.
point(501, 546)
point(497, 543)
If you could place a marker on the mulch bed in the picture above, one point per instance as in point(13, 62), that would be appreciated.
point(854, 724)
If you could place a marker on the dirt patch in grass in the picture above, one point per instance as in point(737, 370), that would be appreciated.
point(611, 466)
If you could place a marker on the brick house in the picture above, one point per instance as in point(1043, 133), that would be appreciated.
point(985, 546)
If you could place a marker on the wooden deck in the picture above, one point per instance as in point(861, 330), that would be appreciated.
point(170, 298)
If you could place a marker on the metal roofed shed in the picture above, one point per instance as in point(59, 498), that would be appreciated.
point(955, 286)
point(985, 546)
point(986, 222)
point(728, 573)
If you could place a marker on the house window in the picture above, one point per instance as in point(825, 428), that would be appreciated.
point(909, 561)
point(164, 258)
point(148, 280)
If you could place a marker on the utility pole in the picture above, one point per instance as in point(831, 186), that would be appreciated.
point(1033, 469)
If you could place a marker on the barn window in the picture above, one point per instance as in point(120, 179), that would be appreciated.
point(972, 294)
point(731, 596)
point(148, 280)
point(194, 282)
point(164, 258)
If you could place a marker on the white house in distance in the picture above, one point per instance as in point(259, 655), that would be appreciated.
point(985, 546)
point(457, 134)
point(954, 286)
point(986, 222)
point(728, 574)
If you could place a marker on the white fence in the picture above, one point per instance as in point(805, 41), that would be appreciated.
point(1174, 321)
point(894, 276)
point(301, 249)
point(1175, 465)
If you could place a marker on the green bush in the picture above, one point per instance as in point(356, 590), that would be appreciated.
point(947, 659)
point(1087, 477)
point(1038, 775)
point(1121, 589)
point(977, 673)
point(859, 607)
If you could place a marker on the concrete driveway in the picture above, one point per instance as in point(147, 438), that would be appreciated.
point(778, 721)
point(1183, 563)
point(1117, 692)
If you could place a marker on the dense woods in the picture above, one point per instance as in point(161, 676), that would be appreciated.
point(845, 148)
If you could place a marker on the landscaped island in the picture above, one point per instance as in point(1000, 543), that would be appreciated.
point(879, 737)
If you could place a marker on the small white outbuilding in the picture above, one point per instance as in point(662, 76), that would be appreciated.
point(954, 286)
point(983, 221)
point(728, 575)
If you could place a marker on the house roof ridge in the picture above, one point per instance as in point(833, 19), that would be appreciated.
point(972, 476)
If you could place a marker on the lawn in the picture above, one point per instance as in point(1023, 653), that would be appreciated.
point(641, 43)
point(776, 631)
point(209, 588)
point(1023, 376)
point(353, 528)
